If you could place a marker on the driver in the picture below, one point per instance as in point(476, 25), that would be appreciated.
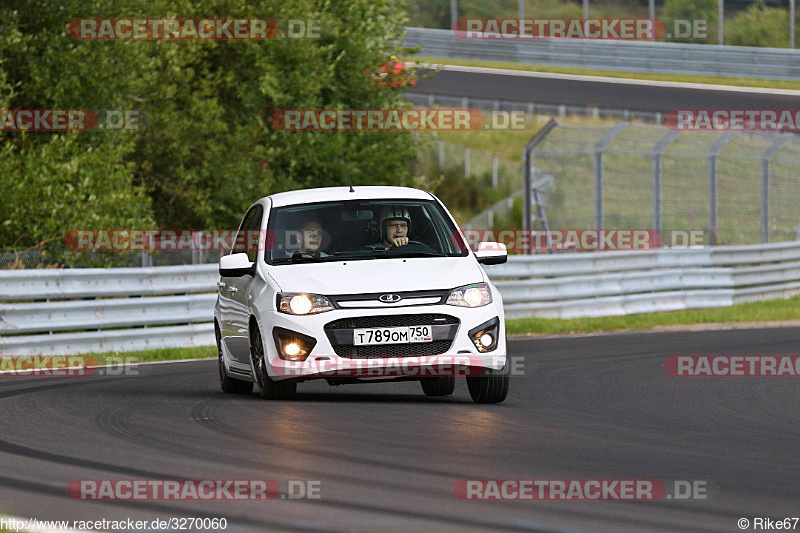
point(394, 224)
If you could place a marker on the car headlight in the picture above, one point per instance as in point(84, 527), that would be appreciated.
point(475, 295)
point(302, 303)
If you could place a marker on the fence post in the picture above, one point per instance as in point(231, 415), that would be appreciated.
point(466, 162)
point(658, 150)
point(494, 171)
point(441, 155)
point(527, 178)
point(768, 153)
point(713, 199)
point(598, 171)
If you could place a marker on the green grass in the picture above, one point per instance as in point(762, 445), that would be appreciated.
point(652, 76)
point(161, 354)
point(770, 310)
point(139, 356)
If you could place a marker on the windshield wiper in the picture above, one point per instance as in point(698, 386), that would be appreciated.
point(420, 253)
point(298, 258)
point(357, 253)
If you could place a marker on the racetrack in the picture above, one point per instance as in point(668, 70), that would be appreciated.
point(387, 457)
point(604, 93)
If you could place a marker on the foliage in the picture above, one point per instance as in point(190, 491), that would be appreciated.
point(759, 26)
point(209, 149)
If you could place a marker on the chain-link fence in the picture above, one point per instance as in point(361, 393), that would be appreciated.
point(479, 187)
point(730, 187)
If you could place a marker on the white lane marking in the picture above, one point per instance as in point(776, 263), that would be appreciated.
point(619, 81)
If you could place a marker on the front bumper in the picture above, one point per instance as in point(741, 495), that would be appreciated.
point(452, 351)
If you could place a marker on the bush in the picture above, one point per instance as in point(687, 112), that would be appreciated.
point(759, 26)
point(692, 10)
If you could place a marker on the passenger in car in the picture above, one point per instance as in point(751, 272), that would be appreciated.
point(310, 240)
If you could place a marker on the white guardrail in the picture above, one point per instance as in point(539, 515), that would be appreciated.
point(68, 311)
point(636, 56)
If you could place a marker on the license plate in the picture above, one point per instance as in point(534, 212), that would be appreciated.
point(392, 335)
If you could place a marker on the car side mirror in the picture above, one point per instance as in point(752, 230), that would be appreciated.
point(492, 253)
point(236, 266)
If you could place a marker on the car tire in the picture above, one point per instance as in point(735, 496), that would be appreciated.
point(491, 387)
point(443, 386)
point(228, 384)
point(270, 390)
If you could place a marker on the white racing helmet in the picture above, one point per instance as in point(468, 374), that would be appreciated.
point(392, 213)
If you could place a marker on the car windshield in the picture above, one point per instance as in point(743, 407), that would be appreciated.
point(361, 230)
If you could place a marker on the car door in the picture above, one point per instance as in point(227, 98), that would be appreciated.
point(234, 317)
point(241, 287)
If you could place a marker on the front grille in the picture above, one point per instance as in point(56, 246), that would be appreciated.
point(392, 350)
point(350, 351)
point(392, 321)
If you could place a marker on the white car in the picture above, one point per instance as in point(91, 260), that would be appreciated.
point(354, 285)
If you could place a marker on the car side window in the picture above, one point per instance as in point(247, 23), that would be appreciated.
point(248, 235)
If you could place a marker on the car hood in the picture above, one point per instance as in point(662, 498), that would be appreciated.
point(378, 275)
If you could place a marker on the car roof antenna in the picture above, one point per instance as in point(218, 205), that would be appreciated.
point(348, 173)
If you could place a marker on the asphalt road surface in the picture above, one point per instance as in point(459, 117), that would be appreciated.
point(387, 458)
point(617, 94)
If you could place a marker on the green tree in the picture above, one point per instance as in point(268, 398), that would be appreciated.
point(209, 149)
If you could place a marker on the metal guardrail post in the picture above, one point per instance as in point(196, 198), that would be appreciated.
point(713, 199)
point(768, 153)
point(598, 171)
point(659, 148)
point(467, 172)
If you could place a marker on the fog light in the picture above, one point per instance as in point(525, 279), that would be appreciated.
point(485, 336)
point(291, 349)
point(291, 345)
point(486, 340)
